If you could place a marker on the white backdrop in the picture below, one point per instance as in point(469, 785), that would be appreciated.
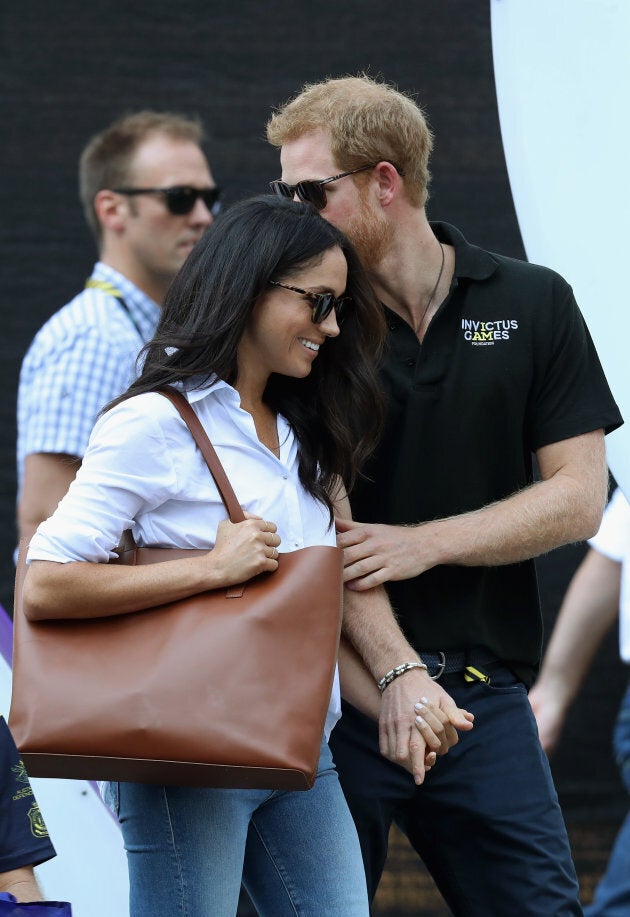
point(562, 71)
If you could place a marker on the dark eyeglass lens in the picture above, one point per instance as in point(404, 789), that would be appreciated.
point(181, 201)
point(324, 306)
point(281, 188)
point(340, 310)
point(319, 312)
point(311, 192)
point(211, 199)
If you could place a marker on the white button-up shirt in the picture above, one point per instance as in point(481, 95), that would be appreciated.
point(143, 471)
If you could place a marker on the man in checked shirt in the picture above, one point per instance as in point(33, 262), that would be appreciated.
point(148, 194)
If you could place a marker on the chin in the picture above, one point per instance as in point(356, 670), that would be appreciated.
point(301, 373)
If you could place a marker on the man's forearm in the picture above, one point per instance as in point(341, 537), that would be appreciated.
point(369, 623)
point(370, 626)
point(525, 525)
point(357, 684)
point(589, 610)
point(565, 507)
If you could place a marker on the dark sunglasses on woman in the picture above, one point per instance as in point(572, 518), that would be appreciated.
point(322, 304)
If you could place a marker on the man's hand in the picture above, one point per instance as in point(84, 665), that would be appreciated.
point(408, 735)
point(550, 712)
point(375, 554)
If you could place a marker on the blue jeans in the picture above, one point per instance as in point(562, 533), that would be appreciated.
point(612, 895)
point(188, 848)
point(486, 821)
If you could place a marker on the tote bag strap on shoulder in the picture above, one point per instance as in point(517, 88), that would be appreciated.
point(206, 448)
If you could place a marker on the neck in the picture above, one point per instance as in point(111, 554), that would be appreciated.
point(406, 278)
point(153, 285)
point(249, 385)
point(264, 418)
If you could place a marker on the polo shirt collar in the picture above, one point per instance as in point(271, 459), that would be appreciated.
point(470, 260)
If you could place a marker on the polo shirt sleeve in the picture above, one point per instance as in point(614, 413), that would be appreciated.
point(24, 839)
point(66, 388)
point(571, 395)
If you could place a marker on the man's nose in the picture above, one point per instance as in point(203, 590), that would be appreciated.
point(200, 215)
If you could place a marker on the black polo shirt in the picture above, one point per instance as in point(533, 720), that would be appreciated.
point(507, 366)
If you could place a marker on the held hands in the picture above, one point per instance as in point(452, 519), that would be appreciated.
point(418, 722)
point(244, 549)
point(374, 554)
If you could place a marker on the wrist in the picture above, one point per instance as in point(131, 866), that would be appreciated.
point(397, 671)
point(208, 575)
point(556, 689)
point(441, 538)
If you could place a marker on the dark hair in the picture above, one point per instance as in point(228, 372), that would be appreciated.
point(336, 411)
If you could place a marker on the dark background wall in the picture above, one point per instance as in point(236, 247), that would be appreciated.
point(69, 68)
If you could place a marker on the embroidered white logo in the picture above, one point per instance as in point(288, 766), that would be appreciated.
point(481, 334)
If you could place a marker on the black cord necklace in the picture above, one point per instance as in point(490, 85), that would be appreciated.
point(433, 291)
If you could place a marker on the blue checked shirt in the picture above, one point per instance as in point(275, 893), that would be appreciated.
point(83, 357)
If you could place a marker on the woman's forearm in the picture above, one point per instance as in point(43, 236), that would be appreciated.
point(89, 590)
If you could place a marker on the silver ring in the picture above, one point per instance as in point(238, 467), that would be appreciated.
point(274, 556)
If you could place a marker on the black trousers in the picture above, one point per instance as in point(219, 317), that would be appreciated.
point(486, 821)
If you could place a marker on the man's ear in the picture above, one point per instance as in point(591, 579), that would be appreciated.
point(388, 182)
point(112, 210)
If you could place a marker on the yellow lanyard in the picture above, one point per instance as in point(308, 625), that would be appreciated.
point(92, 283)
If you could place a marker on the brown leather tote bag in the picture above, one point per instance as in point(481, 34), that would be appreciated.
point(229, 688)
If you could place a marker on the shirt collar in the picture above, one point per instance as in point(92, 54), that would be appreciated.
point(195, 391)
point(470, 260)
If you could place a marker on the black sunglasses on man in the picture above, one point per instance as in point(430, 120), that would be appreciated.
point(181, 199)
point(312, 191)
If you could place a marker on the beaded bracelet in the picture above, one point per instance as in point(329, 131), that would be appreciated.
point(389, 677)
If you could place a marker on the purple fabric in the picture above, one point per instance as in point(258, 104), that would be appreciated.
point(10, 907)
point(6, 636)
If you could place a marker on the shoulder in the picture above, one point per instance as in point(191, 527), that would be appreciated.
point(91, 314)
point(149, 415)
point(537, 296)
point(532, 276)
point(490, 269)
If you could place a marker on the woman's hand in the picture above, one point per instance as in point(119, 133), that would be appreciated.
point(244, 549)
